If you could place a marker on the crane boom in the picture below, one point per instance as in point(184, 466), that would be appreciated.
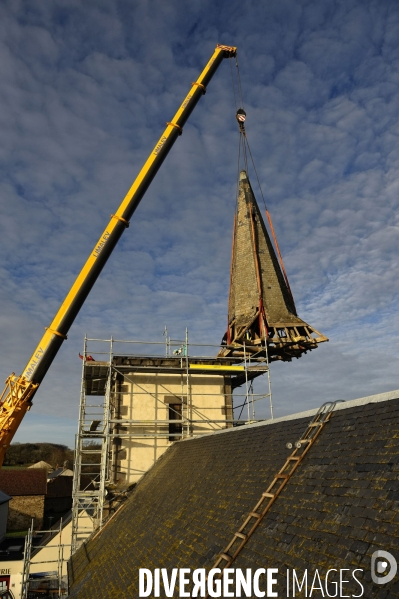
point(17, 396)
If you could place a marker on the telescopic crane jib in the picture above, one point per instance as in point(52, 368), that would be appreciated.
point(17, 396)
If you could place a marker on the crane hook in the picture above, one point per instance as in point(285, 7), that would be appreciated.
point(241, 115)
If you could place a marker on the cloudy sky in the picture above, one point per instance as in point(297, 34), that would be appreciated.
point(86, 89)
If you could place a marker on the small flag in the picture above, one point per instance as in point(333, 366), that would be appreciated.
point(88, 358)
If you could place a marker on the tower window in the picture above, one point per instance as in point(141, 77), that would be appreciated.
point(175, 428)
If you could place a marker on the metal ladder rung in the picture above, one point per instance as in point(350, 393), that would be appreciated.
point(268, 495)
point(316, 424)
point(294, 457)
point(240, 535)
point(281, 475)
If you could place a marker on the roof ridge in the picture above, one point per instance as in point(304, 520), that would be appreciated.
point(379, 397)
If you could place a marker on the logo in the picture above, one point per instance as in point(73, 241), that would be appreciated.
point(383, 567)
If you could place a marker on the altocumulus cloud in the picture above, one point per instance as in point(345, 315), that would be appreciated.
point(86, 90)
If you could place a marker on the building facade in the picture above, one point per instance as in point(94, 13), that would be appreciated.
point(157, 402)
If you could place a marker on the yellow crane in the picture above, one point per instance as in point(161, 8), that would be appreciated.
point(17, 396)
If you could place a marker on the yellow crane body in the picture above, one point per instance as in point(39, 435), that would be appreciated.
point(17, 396)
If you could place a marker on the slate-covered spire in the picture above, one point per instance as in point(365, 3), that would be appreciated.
point(260, 302)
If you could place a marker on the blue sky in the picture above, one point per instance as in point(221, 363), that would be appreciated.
point(86, 90)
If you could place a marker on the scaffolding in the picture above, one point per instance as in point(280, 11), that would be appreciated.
point(145, 395)
point(46, 554)
point(91, 468)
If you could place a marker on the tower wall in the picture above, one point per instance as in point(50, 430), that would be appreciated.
point(153, 409)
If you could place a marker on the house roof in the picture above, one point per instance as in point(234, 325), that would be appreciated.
point(340, 506)
point(54, 473)
point(60, 472)
point(66, 472)
point(23, 482)
point(43, 465)
point(4, 498)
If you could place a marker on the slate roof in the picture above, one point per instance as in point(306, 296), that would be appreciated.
point(23, 482)
point(4, 498)
point(340, 506)
point(60, 472)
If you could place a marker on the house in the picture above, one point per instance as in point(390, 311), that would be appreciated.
point(4, 499)
point(340, 507)
point(44, 465)
point(27, 489)
point(60, 472)
point(58, 500)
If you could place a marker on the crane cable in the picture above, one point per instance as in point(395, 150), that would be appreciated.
point(242, 149)
point(269, 220)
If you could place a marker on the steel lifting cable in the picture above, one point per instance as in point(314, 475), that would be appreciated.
point(269, 220)
point(240, 144)
point(239, 83)
point(237, 92)
point(241, 115)
point(243, 145)
point(244, 149)
point(233, 85)
point(238, 169)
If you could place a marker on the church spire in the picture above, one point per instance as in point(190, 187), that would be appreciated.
point(261, 306)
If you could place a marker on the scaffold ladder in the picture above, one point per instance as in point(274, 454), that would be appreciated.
point(267, 499)
point(92, 461)
point(26, 564)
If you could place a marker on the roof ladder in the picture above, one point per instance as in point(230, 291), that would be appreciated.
point(256, 515)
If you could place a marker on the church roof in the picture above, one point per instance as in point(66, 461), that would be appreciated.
point(340, 506)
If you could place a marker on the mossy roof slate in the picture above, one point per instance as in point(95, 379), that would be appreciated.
point(340, 506)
